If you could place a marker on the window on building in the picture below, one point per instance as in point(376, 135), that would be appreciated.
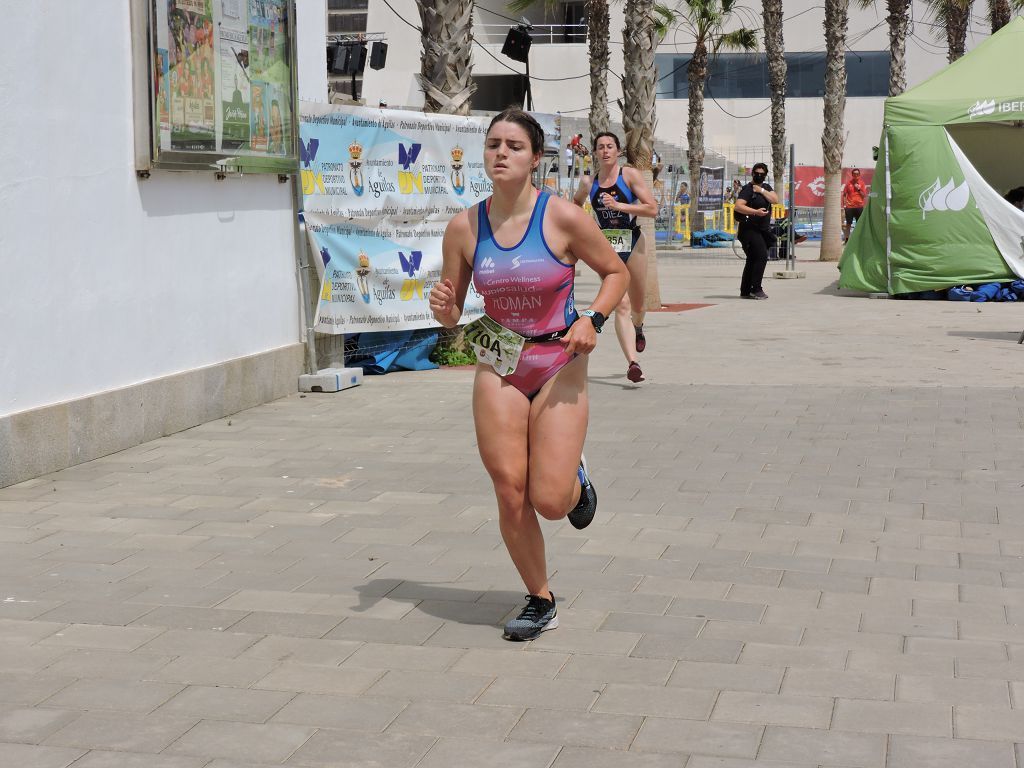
point(347, 5)
point(346, 22)
point(745, 75)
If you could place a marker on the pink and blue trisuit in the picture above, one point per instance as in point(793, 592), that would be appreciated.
point(529, 291)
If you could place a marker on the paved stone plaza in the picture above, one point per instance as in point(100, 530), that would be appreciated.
point(809, 551)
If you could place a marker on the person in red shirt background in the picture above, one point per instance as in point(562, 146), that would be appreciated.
point(854, 192)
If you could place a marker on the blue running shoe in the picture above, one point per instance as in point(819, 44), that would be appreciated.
point(583, 513)
point(538, 616)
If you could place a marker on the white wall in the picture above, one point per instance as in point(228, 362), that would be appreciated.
point(803, 32)
point(105, 280)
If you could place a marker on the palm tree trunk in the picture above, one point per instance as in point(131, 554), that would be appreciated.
point(999, 14)
point(899, 24)
point(640, 41)
point(446, 62)
point(775, 52)
point(697, 74)
point(958, 16)
point(832, 139)
point(446, 69)
point(597, 42)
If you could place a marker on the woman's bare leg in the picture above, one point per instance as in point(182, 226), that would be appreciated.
point(502, 417)
point(558, 428)
point(637, 266)
point(624, 331)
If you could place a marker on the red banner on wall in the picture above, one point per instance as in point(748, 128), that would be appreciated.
point(810, 184)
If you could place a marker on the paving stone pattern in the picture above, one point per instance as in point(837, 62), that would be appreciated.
point(809, 551)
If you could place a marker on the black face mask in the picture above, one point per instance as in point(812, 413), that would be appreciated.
point(759, 177)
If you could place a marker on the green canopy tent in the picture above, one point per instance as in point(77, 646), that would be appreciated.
point(950, 149)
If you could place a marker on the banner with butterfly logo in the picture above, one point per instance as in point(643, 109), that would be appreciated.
point(379, 187)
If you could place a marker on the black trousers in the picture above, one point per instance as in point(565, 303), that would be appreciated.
point(756, 243)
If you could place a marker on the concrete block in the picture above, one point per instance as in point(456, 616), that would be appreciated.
point(331, 380)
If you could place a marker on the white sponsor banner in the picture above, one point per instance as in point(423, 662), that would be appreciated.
point(379, 187)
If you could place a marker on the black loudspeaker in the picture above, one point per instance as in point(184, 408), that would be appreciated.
point(356, 61)
point(378, 55)
point(347, 58)
point(336, 59)
point(517, 44)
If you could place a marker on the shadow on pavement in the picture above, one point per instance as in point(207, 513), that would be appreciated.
point(990, 335)
point(463, 606)
point(611, 383)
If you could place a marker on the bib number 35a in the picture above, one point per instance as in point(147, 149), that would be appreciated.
point(619, 239)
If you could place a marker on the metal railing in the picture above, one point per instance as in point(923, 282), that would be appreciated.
point(542, 34)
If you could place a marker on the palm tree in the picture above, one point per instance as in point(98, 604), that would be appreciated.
point(898, 20)
point(899, 27)
point(706, 20)
point(999, 14)
point(597, 51)
point(957, 20)
point(953, 18)
point(446, 62)
point(640, 37)
point(640, 76)
point(775, 52)
point(832, 140)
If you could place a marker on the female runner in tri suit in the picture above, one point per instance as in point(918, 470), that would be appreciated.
point(618, 196)
point(520, 248)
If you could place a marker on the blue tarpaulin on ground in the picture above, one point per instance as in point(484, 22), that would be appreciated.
point(386, 351)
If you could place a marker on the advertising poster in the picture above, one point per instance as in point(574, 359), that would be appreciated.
point(191, 65)
point(234, 80)
point(379, 187)
point(222, 80)
point(268, 66)
point(810, 184)
point(711, 189)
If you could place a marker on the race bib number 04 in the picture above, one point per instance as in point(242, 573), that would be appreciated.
point(495, 345)
point(619, 239)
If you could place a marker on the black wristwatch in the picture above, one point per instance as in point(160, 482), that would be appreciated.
point(595, 317)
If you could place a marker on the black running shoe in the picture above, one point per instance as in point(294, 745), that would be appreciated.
point(583, 513)
point(641, 340)
point(538, 616)
point(633, 372)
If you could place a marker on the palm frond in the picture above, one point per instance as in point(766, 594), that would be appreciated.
point(742, 39)
point(665, 18)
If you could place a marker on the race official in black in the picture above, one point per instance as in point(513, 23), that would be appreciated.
point(754, 214)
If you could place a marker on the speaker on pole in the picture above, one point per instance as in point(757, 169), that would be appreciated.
point(517, 44)
point(356, 61)
point(378, 54)
point(336, 55)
